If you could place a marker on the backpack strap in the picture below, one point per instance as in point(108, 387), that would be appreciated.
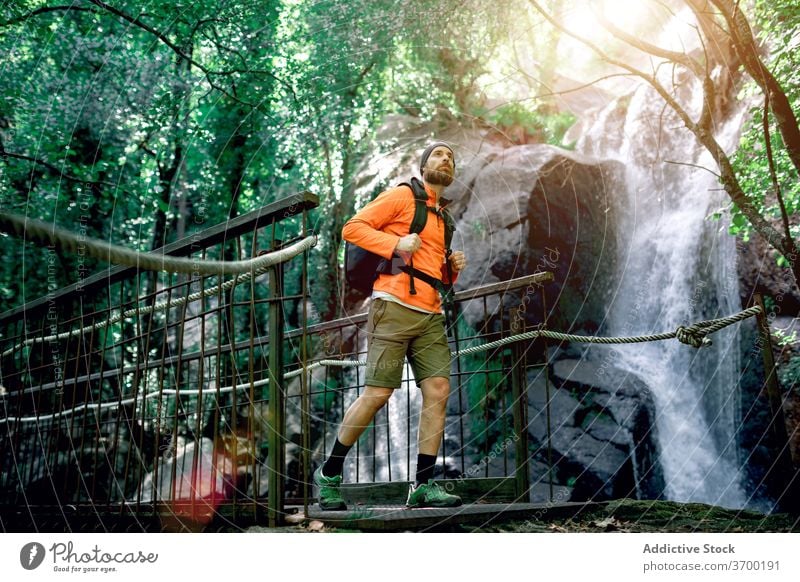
point(449, 229)
point(417, 223)
point(420, 206)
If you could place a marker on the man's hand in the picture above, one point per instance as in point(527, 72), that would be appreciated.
point(409, 243)
point(458, 261)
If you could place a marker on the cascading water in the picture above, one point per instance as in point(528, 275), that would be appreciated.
point(676, 267)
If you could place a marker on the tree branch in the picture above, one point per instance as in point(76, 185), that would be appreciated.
point(45, 10)
point(709, 89)
point(706, 116)
point(646, 47)
point(746, 48)
point(649, 79)
point(248, 70)
point(144, 26)
point(727, 174)
point(552, 91)
point(772, 173)
point(699, 167)
point(59, 171)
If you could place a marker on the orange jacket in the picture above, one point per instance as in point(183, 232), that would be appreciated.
point(378, 227)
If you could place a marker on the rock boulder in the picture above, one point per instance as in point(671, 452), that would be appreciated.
point(602, 431)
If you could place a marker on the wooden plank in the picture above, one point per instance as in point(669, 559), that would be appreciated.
point(494, 489)
point(162, 516)
point(535, 279)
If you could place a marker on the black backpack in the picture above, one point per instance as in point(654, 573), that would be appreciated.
point(362, 267)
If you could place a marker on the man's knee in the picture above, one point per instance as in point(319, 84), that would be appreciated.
point(435, 391)
point(375, 397)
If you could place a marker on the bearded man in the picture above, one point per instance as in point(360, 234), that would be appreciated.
point(405, 320)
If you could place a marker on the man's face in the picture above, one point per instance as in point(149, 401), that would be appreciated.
point(439, 168)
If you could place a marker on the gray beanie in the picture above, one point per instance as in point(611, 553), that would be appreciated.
point(426, 154)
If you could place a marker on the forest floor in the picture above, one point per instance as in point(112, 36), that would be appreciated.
point(628, 515)
point(624, 515)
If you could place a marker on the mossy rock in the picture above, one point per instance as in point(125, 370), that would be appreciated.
point(626, 515)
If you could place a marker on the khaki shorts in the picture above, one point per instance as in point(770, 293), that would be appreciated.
point(395, 331)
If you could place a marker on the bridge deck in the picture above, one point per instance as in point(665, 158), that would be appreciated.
point(386, 517)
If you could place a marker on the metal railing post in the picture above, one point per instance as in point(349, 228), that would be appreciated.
point(547, 398)
point(277, 452)
point(519, 394)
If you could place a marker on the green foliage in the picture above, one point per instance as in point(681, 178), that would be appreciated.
point(325, 396)
point(142, 129)
point(785, 339)
point(105, 120)
point(775, 21)
point(789, 374)
point(534, 125)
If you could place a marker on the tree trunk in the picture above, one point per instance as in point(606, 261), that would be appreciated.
point(549, 61)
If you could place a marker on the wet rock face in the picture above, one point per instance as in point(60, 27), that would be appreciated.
point(538, 208)
point(602, 431)
point(791, 409)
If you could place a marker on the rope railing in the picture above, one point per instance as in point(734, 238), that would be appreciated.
point(695, 335)
point(257, 267)
point(50, 235)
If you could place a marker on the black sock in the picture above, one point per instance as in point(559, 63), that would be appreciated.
point(333, 466)
point(425, 466)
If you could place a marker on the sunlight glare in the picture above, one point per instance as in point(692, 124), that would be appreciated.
point(584, 20)
point(626, 15)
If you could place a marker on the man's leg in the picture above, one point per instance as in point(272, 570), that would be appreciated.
point(425, 493)
point(434, 407)
point(385, 356)
point(361, 412)
point(429, 355)
point(328, 478)
point(431, 424)
point(355, 421)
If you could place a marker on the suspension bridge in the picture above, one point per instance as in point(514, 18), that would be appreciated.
point(188, 387)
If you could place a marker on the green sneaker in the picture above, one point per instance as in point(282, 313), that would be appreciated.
point(330, 499)
point(431, 494)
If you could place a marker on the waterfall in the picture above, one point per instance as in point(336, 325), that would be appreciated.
point(675, 267)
